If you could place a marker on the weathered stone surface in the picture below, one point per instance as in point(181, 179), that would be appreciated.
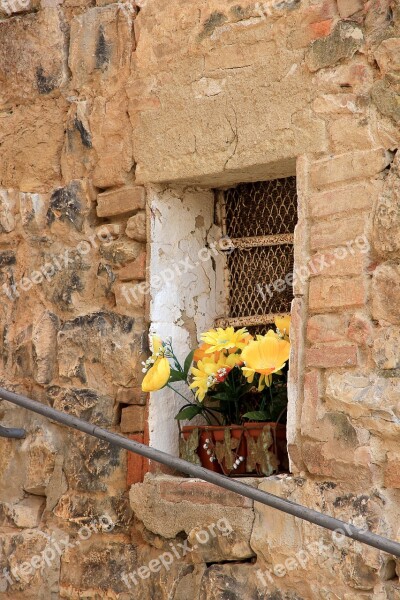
point(31, 139)
point(386, 348)
point(99, 344)
point(386, 293)
point(44, 339)
point(169, 517)
point(121, 201)
point(387, 55)
point(343, 42)
point(135, 270)
point(392, 471)
point(70, 204)
point(8, 207)
point(136, 227)
point(101, 44)
point(41, 463)
point(386, 98)
point(130, 298)
point(337, 233)
point(28, 512)
point(360, 394)
point(386, 224)
point(29, 70)
point(347, 8)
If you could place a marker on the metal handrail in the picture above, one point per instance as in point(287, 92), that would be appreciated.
point(286, 506)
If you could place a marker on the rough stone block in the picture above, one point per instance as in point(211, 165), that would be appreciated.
point(135, 270)
point(337, 103)
point(386, 223)
point(136, 227)
point(27, 68)
point(350, 133)
point(309, 409)
point(200, 492)
point(386, 98)
point(386, 348)
point(28, 512)
point(326, 357)
point(343, 42)
point(340, 201)
point(360, 329)
point(337, 233)
point(101, 45)
point(351, 165)
point(41, 463)
point(88, 352)
point(347, 8)
point(170, 517)
point(336, 293)
point(386, 293)
point(44, 339)
point(131, 396)
point(130, 299)
point(121, 201)
point(132, 419)
point(31, 138)
point(387, 55)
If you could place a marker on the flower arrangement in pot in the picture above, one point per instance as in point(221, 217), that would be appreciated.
point(237, 387)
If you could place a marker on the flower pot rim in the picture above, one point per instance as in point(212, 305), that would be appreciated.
point(250, 424)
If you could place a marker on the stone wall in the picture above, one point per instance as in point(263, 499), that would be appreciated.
point(104, 107)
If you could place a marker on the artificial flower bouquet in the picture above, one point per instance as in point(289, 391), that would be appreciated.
point(232, 377)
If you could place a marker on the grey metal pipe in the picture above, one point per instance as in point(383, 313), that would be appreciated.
point(291, 508)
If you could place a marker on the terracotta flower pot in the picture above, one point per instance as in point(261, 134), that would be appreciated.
point(236, 450)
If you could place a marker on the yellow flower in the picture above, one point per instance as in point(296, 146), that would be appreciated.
point(200, 353)
point(156, 344)
point(209, 372)
point(267, 355)
point(283, 326)
point(157, 376)
point(225, 339)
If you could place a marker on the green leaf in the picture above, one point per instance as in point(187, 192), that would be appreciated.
point(257, 415)
point(188, 413)
point(176, 376)
point(188, 362)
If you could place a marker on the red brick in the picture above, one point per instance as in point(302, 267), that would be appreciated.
point(326, 357)
point(135, 463)
point(337, 233)
point(392, 471)
point(132, 419)
point(326, 328)
point(351, 165)
point(335, 293)
point(329, 264)
point(200, 492)
point(339, 201)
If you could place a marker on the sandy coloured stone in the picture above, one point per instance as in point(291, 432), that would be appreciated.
point(121, 201)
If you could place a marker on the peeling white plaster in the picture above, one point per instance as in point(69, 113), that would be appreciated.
point(186, 287)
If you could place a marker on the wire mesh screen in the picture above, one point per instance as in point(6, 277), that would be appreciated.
point(253, 273)
point(258, 268)
point(264, 208)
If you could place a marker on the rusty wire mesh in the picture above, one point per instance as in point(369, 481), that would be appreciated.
point(264, 208)
point(253, 273)
point(260, 210)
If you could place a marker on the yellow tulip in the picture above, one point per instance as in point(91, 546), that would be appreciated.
point(157, 376)
point(283, 325)
point(267, 355)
